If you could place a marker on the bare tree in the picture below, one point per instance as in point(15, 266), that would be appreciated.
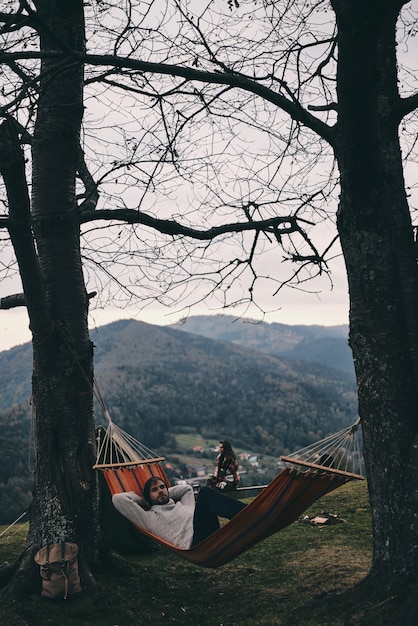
point(209, 136)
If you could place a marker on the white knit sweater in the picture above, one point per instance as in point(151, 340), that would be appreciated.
point(172, 521)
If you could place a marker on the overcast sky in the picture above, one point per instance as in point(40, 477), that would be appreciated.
point(324, 306)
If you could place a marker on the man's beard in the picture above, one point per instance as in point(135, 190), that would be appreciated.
point(163, 499)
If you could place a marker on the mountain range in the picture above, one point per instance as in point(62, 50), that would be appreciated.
point(327, 345)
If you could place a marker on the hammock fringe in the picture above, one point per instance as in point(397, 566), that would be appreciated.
point(339, 451)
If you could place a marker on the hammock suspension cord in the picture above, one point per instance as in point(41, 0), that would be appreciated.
point(339, 451)
point(6, 530)
point(117, 448)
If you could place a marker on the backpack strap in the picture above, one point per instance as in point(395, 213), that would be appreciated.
point(48, 569)
point(64, 569)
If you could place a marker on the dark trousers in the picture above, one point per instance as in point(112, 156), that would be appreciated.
point(210, 504)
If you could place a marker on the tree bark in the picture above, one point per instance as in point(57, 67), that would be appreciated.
point(377, 240)
point(65, 496)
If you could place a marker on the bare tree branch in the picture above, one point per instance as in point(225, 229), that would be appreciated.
point(91, 195)
point(288, 224)
point(407, 105)
point(12, 168)
point(13, 301)
point(233, 79)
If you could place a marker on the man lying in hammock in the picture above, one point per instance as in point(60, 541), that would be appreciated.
point(172, 513)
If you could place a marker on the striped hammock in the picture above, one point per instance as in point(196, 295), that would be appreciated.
point(127, 464)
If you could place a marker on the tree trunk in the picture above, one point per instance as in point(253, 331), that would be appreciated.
point(65, 497)
point(377, 240)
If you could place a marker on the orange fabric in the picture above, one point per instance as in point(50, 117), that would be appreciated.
point(280, 504)
point(122, 479)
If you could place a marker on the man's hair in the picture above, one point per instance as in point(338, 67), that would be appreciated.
point(147, 487)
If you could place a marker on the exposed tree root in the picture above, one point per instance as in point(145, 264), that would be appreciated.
point(371, 603)
point(23, 578)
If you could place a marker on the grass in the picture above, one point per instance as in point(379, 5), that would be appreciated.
point(292, 578)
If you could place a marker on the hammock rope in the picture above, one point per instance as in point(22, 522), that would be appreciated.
point(117, 448)
point(339, 451)
point(6, 530)
point(309, 475)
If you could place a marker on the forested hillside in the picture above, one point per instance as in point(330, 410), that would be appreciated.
point(159, 381)
point(171, 379)
point(15, 375)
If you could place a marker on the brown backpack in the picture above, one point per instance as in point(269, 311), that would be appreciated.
point(59, 570)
